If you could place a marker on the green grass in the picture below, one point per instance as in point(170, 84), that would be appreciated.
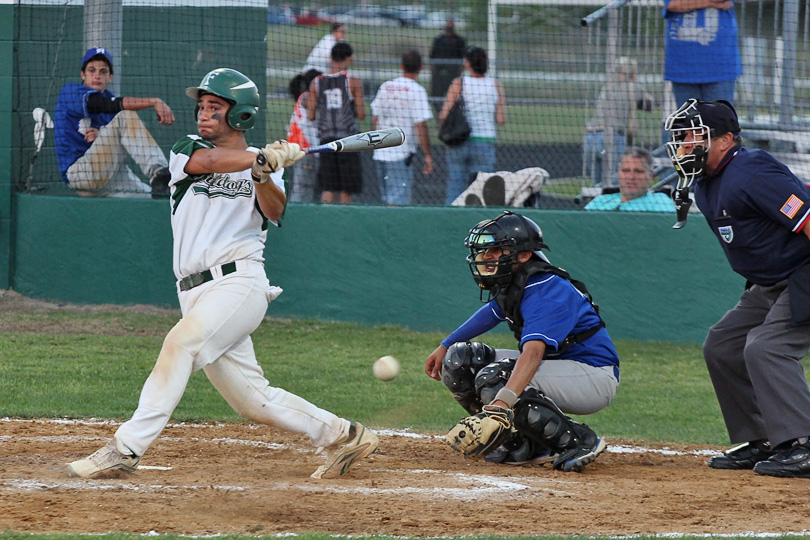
point(92, 365)
point(664, 395)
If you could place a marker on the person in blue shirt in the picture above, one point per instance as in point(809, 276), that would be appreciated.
point(759, 212)
point(635, 178)
point(566, 362)
point(702, 58)
point(94, 132)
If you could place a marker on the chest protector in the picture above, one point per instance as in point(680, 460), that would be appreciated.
point(510, 297)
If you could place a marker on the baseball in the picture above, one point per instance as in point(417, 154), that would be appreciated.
point(386, 368)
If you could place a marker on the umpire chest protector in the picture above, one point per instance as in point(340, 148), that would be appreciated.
point(510, 297)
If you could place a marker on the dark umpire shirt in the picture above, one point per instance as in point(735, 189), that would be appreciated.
point(756, 207)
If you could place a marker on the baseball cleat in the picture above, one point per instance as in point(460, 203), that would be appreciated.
point(584, 456)
point(112, 456)
point(362, 442)
point(588, 447)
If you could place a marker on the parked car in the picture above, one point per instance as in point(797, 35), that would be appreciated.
point(282, 14)
point(369, 16)
point(311, 17)
point(436, 19)
point(409, 15)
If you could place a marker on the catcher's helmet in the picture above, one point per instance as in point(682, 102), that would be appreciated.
point(511, 232)
point(236, 89)
point(704, 120)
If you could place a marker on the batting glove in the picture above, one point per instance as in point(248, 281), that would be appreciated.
point(261, 170)
point(283, 154)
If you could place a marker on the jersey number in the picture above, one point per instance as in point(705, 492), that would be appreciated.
point(334, 98)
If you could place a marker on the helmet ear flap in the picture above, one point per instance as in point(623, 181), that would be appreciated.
point(242, 116)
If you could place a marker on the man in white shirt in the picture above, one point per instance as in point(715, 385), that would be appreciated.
point(402, 102)
point(321, 56)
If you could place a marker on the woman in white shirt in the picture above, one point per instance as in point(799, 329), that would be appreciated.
point(486, 106)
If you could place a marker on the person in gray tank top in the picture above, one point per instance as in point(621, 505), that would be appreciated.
point(338, 99)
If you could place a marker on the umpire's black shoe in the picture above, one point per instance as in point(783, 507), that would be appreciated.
point(744, 456)
point(792, 462)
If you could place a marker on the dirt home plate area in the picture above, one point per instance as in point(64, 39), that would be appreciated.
point(204, 479)
point(243, 478)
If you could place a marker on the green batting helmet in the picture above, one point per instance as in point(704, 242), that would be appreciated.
point(236, 89)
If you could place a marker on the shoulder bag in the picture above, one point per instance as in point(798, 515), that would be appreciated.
point(455, 129)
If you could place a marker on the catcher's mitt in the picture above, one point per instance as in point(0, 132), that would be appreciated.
point(476, 436)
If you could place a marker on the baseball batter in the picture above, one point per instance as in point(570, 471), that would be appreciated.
point(223, 194)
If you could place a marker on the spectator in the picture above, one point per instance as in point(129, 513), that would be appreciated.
point(337, 118)
point(615, 118)
point(486, 107)
point(94, 131)
point(446, 59)
point(302, 131)
point(635, 178)
point(702, 54)
point(759, 212)
point(403, 103)
point(320, 57)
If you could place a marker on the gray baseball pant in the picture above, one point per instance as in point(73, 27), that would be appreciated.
point(753, 355)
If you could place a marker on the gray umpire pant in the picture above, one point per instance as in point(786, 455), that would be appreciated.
point(753, 355)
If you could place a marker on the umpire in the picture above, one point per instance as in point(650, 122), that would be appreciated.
point(759, 210)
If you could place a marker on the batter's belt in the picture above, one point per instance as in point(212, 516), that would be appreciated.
point(194, 280)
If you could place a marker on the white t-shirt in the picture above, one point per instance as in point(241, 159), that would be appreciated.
point(321, 56)
point(215, 216)
point(401, 103)
point(480, 100)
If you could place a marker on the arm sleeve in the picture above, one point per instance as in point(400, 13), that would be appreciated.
point(483, 320)
point(97, 103)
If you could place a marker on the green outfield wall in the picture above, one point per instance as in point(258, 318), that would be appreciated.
point(6, 100)
point(379, 265)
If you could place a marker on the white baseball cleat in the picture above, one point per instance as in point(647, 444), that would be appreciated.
point(362, 442)
point(115, 455)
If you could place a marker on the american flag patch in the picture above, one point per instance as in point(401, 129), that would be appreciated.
point(791, 206)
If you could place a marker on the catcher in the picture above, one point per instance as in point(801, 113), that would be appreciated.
point(566, 364)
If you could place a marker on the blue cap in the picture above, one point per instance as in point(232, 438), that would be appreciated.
point(94, 52)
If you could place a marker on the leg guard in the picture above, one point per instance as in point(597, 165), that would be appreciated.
point(459, 367)
point(538, 418)
point(492, 378)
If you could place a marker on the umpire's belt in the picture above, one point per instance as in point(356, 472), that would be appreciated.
point(189, 282)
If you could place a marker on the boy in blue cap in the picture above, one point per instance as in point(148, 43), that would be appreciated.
point(94, 131)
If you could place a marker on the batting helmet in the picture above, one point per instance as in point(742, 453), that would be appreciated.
point(236, 89)
point(510, 232)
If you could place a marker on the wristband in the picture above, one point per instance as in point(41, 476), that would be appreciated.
point(507, 396)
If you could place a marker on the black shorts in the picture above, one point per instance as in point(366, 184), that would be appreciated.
point(340, 171)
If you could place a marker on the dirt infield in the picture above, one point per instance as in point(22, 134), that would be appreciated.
point(246, 479)
point(205, 479)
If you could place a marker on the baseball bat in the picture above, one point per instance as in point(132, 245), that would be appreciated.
point(368, 140)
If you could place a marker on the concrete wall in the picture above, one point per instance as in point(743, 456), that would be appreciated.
point(378, 265)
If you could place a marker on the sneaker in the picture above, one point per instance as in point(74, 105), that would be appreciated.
point(160, 183)
point(588, 449)
point(113, 456)
point(792, 462)
point(744, 456)
point(361, 443)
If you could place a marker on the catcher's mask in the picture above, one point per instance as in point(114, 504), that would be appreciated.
point(510, 232)
point(235, 88)
point(702, 120)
